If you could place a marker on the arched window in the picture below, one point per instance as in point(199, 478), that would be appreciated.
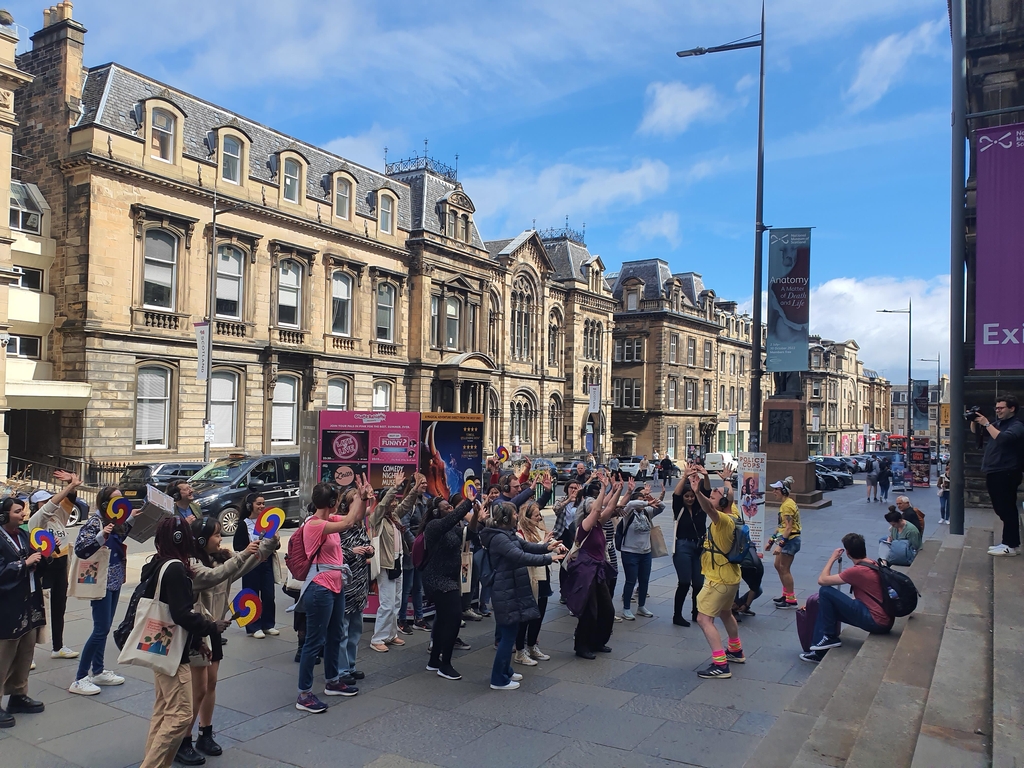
point(598, 341)
point(230, 261)
point(285, 410)
point(721, 398)
point(732, 398)
point(289, 293)
point(341, 304)
point(224, 408)
point(382, 395)
point(555, 419)
point(387, 214)
point(521, 420)
point(292, 180)
point(231, 160)
point(452, 311)
point(743, 393)
point(160, 269)
point(162, 139)
point(493, 318)
point(732, 364)
point(522, 311)
point(464, 228)
point(152, 407)
point(343, 199)
point(337, 394)
point(385, 312)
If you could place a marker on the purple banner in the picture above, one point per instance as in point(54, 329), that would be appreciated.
point(999, 311)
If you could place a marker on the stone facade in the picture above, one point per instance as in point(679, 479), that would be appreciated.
point(334, 285)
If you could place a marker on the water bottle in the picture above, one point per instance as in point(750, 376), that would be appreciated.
point(893, 595)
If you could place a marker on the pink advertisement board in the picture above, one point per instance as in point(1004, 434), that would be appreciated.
point(375, 443)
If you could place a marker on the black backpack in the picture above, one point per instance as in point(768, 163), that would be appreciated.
point(128, 623)
point(620, 530)
point(899, 595)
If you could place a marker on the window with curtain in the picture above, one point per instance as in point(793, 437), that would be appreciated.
point(160, 270)
point(289, 293)
point(230, 263)
point(387, 214)
point(691, 395)
point(385, 312)
point(292, 180)
point(707, 396)
point(670, 443)
point(341, 304)
point(435, 321)
point(691, 352)
point(689, 435)
point(673, 348)
point(452, 311)
point(152, 407)
point(637, 393)
point(672, 394)
point(285, 410)
point(381, 395)
point(638, 350)
point(707, 355)
point(732, 398)
point(231, 160)
point(743, 393)
point(162, 147)
point(732, 364)
point(617, 393)
point(337, 394)
point(343, 198)
point(721, 398)
point(224, 408)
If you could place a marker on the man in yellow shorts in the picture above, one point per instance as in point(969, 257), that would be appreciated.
point(721, 581)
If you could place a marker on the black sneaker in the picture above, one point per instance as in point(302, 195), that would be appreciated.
point(679, 621)
point(715, 670)
point(735, 657)
point(422, 624)
point(828, 641)
point(448, 673)
point(338, 688)
point(357, 674)
point(583, 653)
point(348, 679)
point(812, 657)
point(405, 629)
point(779, 600)
point(307, 702)
point(462, 646)
point(787, 605)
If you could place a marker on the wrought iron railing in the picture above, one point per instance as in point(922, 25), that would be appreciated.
point(567, 232)
point(422, 164)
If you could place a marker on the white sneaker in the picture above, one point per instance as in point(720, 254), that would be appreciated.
point(628, 615)
point(521, 658)
point(273, 632)
point(1004, 551)
point(516, 677)
point(64, 653)
point(536, 653)
point(84, 687)
point(641, 611)
point(32, 666)
point(106, 677)
point(258, 634)
point(511, 685)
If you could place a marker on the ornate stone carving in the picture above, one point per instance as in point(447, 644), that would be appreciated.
point(6, 99)
point(270, 380)
point(780, 426)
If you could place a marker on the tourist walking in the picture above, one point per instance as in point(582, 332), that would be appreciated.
point(884, 479)
point(260, 578)
point(786, 541)
point(942, 486)
point(872, 469)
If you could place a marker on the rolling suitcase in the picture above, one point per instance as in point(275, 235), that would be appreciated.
point(806, 618)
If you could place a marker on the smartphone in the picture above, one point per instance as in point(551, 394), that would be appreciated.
point(714, 462)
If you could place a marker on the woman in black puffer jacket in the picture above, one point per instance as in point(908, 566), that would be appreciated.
point(512, 594)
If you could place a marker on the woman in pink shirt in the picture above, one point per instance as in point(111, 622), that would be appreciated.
point(323, 594)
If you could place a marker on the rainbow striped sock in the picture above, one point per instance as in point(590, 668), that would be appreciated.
point(718, 658)
point(735, 645)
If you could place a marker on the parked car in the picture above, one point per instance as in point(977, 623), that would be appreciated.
point(221, 487)
point(825, 481)
point(564, 469)
point(834, 466)
point(630, 465)
point(136, 477)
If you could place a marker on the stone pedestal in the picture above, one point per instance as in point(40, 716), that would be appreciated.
point(785, 432)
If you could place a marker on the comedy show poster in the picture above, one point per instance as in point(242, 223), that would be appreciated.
point(451, 451)
point(376, 443)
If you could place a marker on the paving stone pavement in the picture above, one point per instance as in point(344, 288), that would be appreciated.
point(641, 705)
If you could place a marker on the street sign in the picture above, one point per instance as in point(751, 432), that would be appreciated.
point(203, 350)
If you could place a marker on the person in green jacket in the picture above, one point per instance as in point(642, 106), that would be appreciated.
point(903, 542)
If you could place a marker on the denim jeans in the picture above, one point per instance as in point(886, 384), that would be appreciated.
point(261, 581)
point(478, 568)
point(637, 569)
point(351, 631)
point(835, 606)
point(883, 491)
point(102, 617)
point(412, 584)
point(325, 612)
point(389, 592)
point(944, 506)
point(501, 671)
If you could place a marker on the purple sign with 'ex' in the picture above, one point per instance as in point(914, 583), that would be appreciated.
point(999, 310)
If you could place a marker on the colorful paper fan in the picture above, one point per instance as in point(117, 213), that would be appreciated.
point(269, 521)
point(503, 454)
point(43, 541)
point(246, 607)
point(470, 490)
point(118, 509)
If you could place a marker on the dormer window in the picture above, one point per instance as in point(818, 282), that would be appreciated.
point(343, 198)
point(162, 139)
point(387, 214)
point(292, 180)
point(632, 301)
point(231, 160)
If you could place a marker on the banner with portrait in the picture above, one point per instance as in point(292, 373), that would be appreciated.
point(919, 406)
point(451, 451)
point(753, 473)
point(789, 294)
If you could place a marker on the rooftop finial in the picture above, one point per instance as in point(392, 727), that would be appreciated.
point(425, 147)
point(456, 163)
point(385, 157)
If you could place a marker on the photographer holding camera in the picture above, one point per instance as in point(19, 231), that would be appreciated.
point(1004, 446)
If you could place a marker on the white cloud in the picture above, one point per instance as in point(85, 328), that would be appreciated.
point(513, 197)
point(672, 107)
point(367, 148)
point(663, 225)
point(883, 64)
point(746, 82)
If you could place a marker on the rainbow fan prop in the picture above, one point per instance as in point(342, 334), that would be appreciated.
point(43, 541)
point(246, 607)
point(470, 490)
point(118, 509)
point(269, 522)
point(503, 454)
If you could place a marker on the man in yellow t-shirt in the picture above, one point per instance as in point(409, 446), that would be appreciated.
point(786, 542)
point(721, 581)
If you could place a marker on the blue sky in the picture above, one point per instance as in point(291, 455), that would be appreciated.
point(582, 109)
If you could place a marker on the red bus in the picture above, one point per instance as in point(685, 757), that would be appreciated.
point(898, 443)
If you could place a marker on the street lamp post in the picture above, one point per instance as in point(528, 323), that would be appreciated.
point(938, 394)
point(754, 437)
point(909, 312)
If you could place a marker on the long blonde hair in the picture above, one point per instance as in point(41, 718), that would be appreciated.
point(533, 530)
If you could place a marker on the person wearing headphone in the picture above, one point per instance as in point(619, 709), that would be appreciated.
point(786, 541)
point(184, 500)
point(260, 578)
point(21, 610)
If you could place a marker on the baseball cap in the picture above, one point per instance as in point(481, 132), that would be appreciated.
point(40, 495)
point(778, 484)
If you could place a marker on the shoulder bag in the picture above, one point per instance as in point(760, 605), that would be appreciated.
point(155, 641)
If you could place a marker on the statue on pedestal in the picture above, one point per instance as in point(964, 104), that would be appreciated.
point(787, 385)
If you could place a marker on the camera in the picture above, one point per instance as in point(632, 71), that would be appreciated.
point(973, 413)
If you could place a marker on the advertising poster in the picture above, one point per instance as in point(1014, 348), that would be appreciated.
point(452, 451)
point(920, 464)
point(999, 316)
point(789, 294)
point(375, 443)
point(919, 405)
point(753, 468)
point(844, 445)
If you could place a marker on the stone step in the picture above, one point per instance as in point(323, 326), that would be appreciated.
point(957, 717)
point(889, 731)
point(1007, 662)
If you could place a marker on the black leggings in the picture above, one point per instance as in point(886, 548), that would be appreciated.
point(595, 623)
point(529, 630)
point(1002, 489)
point(57, 581)
point(447, 618)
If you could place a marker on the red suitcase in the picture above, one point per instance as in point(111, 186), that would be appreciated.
point(806, 618)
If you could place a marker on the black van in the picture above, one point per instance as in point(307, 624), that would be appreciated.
point(221, 487)
point(136, 477)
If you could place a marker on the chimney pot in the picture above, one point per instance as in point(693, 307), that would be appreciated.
point(46, 17)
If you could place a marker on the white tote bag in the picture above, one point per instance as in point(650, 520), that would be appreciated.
point(155, 641)
point(375, 559)
point(87, 577)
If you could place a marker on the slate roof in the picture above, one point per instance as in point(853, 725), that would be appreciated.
point(111, 92)
point(427, 189)
point(655, 274)
point(693, 286)
point(567, 257)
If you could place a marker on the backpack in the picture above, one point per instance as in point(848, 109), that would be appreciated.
point(487, 570)
point(124, 629)
point(295, 559)
point(740, 543)
point(899, 595)
point(419, 553)
point(620, 531)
